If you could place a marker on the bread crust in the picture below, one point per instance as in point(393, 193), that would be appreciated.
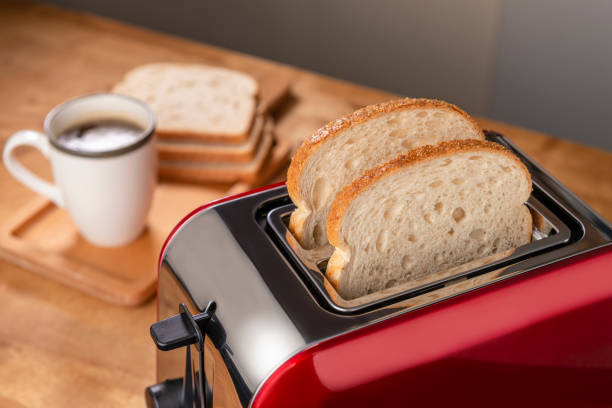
point(223, 172)
point(346, 196)
point(230, 138)
point(188, 150)
point(329, 131)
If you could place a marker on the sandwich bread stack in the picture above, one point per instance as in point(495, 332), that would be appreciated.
point(211, 125)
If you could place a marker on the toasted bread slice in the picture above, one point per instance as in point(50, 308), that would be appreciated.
point(341, 151)
point(424, 212)
point(194, 101)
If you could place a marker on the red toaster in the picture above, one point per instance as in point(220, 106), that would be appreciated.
point(247, 319)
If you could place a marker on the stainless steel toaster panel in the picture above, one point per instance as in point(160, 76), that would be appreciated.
point(256, 334)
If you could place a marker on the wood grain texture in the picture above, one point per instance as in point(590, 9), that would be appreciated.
point(60, 347)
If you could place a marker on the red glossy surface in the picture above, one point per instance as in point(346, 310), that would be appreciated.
point(542, 339)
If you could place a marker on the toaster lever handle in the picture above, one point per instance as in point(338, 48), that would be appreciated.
point(176, 331)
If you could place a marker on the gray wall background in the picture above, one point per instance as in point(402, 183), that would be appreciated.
point(554, 68)
point(544, 64)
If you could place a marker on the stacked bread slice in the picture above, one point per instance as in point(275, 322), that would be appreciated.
point(212, 125)
point(415, 190)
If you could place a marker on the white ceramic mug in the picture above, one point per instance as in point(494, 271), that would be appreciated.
point(107, 193)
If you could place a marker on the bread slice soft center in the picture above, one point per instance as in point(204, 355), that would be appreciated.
point(428, 211)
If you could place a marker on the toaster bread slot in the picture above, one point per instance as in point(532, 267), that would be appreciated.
point(553, 227)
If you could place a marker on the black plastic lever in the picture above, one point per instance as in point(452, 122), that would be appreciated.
point(183, 330)
point(177, 331)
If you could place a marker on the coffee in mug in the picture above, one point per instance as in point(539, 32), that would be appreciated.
point(99, 136)
point(104, 163)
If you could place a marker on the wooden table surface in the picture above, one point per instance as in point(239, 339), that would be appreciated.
point(60, 347)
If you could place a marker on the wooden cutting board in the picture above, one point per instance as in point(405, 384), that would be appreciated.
point(42, 238)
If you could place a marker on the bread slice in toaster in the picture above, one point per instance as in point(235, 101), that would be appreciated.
point(342, 150)
point(431, 209)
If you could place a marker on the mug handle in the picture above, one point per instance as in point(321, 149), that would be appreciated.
point(39, 141)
